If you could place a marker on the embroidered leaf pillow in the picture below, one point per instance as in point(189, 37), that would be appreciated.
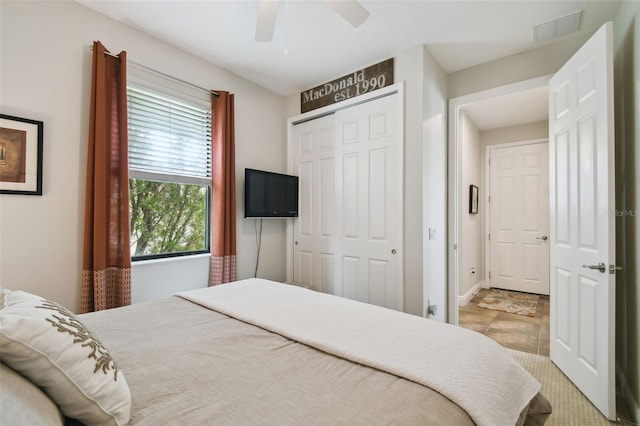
point(46, 343)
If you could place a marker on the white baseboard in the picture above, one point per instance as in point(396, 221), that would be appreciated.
point(307, 286)
point(464, 299)
point(627, 396)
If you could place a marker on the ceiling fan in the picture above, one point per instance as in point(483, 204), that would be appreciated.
point(350, 10)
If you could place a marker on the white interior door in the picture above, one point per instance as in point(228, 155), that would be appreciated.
point(582, 226)
point(348, 236)
point(519, 218)
point(314, 231)
point(369, 202)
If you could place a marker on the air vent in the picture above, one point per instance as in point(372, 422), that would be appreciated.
point(557, 28)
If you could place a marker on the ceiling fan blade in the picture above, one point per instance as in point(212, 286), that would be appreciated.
point(350, 10)
point(266, 20)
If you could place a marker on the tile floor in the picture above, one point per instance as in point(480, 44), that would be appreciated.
point(526, 334)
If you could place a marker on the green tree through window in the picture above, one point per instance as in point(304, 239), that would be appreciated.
point(167, 217)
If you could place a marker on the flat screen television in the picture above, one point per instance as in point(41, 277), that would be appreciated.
point(268, 194)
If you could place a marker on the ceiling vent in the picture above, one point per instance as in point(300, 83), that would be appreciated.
point(557, 28)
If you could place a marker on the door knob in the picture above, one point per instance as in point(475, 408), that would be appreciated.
point(600, 267)
point(543, 238)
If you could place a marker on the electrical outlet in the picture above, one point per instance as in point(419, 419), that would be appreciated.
point(430, 309)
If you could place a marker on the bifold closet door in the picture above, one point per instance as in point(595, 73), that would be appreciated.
point(314, 251)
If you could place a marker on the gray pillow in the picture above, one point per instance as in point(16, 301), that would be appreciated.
point(23, 403)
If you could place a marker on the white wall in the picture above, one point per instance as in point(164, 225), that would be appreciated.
point(409, 68)
point(434, 187)
point(470, 248)
point(512, 69)
point(45, 69)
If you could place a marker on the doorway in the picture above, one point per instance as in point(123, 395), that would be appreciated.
point(505, 117)
point(516, 248)
point(517, 219)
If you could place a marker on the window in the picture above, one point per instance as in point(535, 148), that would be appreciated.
point(169, 174)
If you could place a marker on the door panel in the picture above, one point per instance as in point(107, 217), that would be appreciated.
point(519, 218)
point(582, 226)
point(369, 149)
point(314, 229)
point(327, 202)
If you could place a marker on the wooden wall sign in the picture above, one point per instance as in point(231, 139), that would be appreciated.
point(349, 86)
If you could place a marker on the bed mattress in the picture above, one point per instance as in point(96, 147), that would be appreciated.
point(186, 364)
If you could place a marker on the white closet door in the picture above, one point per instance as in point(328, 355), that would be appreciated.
point(369, 202)
point(314, 249)
point(348, 236)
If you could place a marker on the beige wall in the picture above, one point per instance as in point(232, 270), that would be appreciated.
point(521, 132)
point(424, 180)
point(45, 68)
point(470, 249)
point(532, 63)
point(627, 133)
point(409, 68)
point(434, 125)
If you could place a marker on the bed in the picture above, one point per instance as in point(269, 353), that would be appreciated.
point(254, 352)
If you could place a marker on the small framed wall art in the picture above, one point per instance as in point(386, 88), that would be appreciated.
point(473, 199)
point(20, 155)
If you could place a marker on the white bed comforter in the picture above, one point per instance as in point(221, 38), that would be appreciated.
point(470, 369)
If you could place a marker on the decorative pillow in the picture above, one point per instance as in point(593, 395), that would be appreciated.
point(46, 343)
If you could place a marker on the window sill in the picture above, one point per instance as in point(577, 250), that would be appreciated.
point(170, 259)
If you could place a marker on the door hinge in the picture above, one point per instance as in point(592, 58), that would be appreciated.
point(489, 198)
point(489, 274)
point(489, 236)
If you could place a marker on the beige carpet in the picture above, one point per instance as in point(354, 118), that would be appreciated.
point(569, 406)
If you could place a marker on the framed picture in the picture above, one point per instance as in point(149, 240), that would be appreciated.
point(473, 199)
point(20, 155)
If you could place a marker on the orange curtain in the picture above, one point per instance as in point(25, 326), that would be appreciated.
point(223, 202)
point(106, 274)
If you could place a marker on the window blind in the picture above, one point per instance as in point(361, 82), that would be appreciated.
point(169, 138)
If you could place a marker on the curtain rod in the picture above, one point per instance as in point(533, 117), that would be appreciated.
point(146, 68)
